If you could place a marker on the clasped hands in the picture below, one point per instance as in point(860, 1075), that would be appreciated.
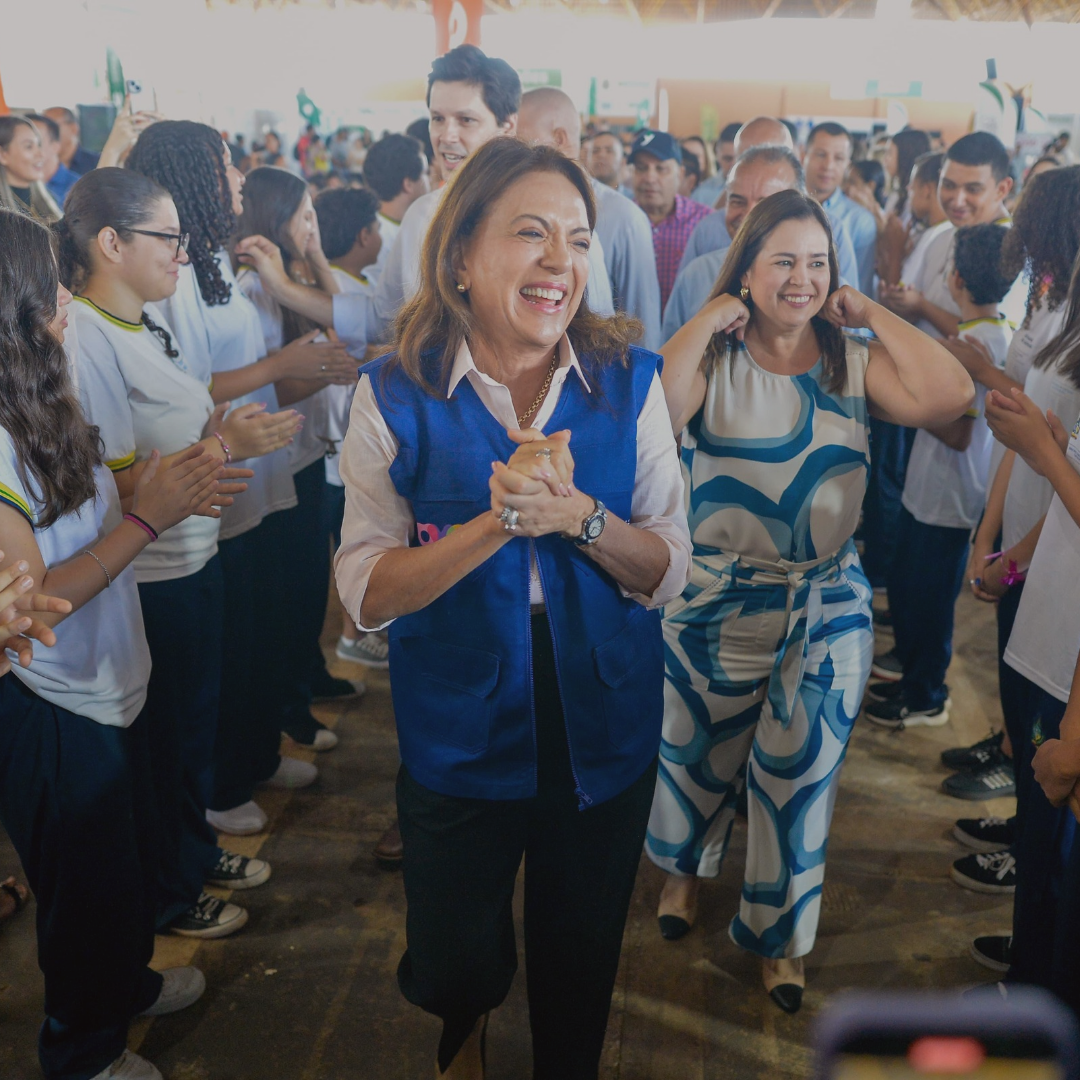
point(538, 482)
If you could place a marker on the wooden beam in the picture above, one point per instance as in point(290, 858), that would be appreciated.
point(632, 11)
point(840, 9)
point(771, 9)
point(700, 20)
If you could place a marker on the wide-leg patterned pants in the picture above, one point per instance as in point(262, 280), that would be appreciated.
point(731, 642)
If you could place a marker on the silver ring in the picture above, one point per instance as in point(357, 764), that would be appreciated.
point(509, 518)
point(546, 453)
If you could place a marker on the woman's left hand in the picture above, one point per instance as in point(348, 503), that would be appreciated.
point(848, 307)
point(544, 457)
point(1019, 423)
point(1055, 771)
point(540, 513)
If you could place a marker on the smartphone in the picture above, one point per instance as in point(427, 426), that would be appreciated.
point(143, 96)
point(925, 1036)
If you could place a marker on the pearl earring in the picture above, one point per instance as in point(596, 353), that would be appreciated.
point(461, 288)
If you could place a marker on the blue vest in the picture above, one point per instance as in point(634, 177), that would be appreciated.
point(461, 668)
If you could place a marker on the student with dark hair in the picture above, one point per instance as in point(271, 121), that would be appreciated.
point(905, 148)
point(58, 178)
point(826, 159)
point(943, 500)
point(419, 130)
point(397, 171)
point(76, 784)
point(121, 249)
point(867, 176)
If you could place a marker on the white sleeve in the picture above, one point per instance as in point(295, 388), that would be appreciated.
point(657, 503)
point(104, 395)
point(377, 518)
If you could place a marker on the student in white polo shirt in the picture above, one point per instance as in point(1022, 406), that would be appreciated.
point(121, 249)
point(218, 331)
point(944, 495)
point(277, 206)
point(76, 792)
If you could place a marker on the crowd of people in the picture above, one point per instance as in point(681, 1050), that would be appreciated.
point(613, 440)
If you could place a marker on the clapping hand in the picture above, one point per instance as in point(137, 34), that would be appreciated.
point(545, 458)
point(17, 628)
point(1019, 424)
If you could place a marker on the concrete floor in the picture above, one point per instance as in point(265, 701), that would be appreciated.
point(307, 991)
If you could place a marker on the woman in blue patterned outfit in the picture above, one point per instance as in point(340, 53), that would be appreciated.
point(769, 647)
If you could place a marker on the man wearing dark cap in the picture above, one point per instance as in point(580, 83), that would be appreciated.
point(656, 159)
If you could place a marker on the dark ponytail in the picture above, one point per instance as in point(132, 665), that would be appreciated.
point(55, 446)
point(103, 198)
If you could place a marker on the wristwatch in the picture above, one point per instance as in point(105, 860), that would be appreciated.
point(592, 526)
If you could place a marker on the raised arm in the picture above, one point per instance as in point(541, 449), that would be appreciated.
point(911, 379)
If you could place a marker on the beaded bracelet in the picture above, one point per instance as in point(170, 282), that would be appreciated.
point(225, 447)
point(108, 576)
point(144, 525)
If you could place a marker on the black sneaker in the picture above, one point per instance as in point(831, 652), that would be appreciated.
point(886, 666)
point(972, 758)
point(994, 874)
point(897, 714)
point(986, 834)
point(209, 917)
point(989, 783)
point(883, 691)
point(994, 951)
point(238, 872)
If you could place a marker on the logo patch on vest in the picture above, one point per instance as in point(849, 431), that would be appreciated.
point(428, 534)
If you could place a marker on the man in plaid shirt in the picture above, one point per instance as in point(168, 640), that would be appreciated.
point(656, 158)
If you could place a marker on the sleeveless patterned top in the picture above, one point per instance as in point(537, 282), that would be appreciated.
point(775, 466)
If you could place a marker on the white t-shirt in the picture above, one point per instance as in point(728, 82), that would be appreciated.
point(1046, 635)
point(100, 664)
point(1029, 494)
point(947, 487)
point(341, 397)
point(314, 438)
point(912, 269)
point(388, 230)
point(224, 337)
point(143, 400)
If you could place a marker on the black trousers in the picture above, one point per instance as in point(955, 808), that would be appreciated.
point(76, 799)
point(461, 861)
point(255, 632)
point(301, 538)
point(183, 621)
point(890, 448)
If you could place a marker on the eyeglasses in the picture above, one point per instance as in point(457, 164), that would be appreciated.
point(182, 239)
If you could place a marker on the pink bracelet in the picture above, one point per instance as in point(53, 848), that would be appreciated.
point(225, 447)
point(1013, 574)
point(145, 526)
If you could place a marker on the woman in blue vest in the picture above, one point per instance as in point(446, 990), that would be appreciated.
point(514, 515)
point(769, 648)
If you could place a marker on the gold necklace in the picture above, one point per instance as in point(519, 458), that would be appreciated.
point(543, 391)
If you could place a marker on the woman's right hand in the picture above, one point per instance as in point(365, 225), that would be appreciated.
point(17, 628)
point(265, 257)
point(166, 496)
point(726, 314)
point(327, 362)
point(251, 432)
point(546, 458)
point(976, 568)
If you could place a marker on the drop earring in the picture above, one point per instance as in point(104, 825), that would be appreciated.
point(744, 293)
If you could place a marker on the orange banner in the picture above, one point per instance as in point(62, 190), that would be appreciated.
point(4, 110)
point(457, 22)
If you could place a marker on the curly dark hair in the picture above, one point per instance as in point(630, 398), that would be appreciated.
point(188, 160)
point(1045, 236)
point(55, 446)
point(977, 259)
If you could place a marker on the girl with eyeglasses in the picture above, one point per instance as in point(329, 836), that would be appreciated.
point(76, 789)
point(218, 330)
point(121, 249)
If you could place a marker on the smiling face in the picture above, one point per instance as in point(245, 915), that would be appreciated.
point(970, 195)
point(235, 179)
point(789, 279)
point(24, 159)
point(527, 265)
point(461, 122)
point(58, 326)
point(827, 159)
point(149, 265)
point(50, 150)
point(303, 228)
point(656, 183)
point(750, 182)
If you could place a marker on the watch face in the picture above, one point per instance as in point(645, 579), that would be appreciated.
point(594, 527)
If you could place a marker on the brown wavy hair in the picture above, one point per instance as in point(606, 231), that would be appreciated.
point(438, 318)
point(56, 448)
point(755, 230)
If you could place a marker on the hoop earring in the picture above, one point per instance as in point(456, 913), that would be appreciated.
point(461, 288)
point(744, 293)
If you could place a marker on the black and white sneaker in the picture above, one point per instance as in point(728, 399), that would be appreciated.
point(897, 714)
point(993, 782)
point(995, 874)
point(209, 917)
point(238, 872)
point(884, 691)
point(887, 666)
point(988, 834)
point(977, 756)
point(994, 951)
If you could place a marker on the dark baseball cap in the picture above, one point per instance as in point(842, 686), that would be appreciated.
point(660, 144)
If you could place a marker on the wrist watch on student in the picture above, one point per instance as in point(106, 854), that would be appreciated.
point(592, 526)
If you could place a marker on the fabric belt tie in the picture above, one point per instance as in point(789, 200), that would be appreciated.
point(797, 580)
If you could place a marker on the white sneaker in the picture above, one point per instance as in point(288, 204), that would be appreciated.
point(243, 820)
point(292, 773)
point(183, 986)
point(129, 1066)
point(373, 650)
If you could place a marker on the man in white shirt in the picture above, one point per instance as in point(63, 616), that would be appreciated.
point(397, 171)
point(549, 117)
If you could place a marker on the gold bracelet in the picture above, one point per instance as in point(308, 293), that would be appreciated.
point(108, 576)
